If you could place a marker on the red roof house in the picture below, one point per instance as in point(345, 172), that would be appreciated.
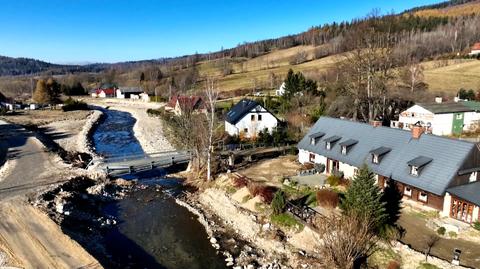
point(179, 103)
point(475, 49)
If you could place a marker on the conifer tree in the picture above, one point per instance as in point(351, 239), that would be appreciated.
point(392, 198)
point(364, 198)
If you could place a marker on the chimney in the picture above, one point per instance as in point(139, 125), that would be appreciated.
point(376, 123)
point(438, 100)
point(417, 131)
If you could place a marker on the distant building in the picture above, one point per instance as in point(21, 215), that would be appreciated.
point(432, 171)
point(475, 49)
point(248, 118)
point(129, 92)
point(104, 91)
point(281, 90)
point(178, 104)
point(441, 118)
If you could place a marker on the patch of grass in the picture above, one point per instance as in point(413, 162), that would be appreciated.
point(286, 220)
point(424, 214)
point(452, 234)
point(230, 189)
point(260, 207)
point(246, 198)
point(476, 225)
point(382, 257)
point(426, 265)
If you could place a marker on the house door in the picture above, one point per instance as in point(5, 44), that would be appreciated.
point(457, 124)
point(334, 167)
point(461, 210)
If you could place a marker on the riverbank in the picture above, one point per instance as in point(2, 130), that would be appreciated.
point(28, 237)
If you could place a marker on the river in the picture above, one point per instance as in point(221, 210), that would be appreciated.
point(153, 231)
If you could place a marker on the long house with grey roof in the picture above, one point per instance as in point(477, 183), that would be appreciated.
point(442, 118)
point(435, 171)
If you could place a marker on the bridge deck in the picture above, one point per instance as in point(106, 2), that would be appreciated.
point(120, 165)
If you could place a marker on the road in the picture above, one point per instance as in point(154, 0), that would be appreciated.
point(29, 236)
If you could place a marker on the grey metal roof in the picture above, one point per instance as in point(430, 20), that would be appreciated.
point(419, 161)
point(239, 110)
point(348, 143)
point(448, 155)
point(332, 139)
point(468, 192)
point(131, 89)
point(449, 107)
point(380, 151)
point(317, 135)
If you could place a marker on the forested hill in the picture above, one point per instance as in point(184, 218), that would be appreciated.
point(333, 37)
point(24, 66)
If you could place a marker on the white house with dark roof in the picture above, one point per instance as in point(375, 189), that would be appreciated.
point(441, 118)
point(248, 118)
point(435, 171)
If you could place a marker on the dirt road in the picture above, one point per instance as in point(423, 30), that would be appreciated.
point(29, 237)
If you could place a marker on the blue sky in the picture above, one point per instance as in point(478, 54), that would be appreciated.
point(63, 31)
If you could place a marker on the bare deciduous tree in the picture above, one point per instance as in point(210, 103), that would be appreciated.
point(345, 239)
point(211, 95)
point(432, 240)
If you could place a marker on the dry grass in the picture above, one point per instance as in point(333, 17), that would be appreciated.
point(455, 75)
point(460, 10)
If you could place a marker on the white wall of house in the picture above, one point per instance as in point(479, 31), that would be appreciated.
point(120, 94)
point(102, 94)
point(250, 125)
point(348, 170)
point(474, 52)
point(447, 202)
point(231, 129)
point(442, 124)
point(475, 213)
point(415, 114)
point(144, 97)
point(471, 121)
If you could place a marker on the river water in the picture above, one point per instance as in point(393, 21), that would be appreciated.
point(153, 231)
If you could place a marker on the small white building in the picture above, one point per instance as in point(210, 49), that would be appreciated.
point(475, 49)
point(248, 118)
point(281, 90)
point(128, 93)
point(441, 118)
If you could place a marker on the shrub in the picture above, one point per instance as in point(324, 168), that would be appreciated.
point(71, 105)
point(320, 167)
point(278, 202)
point(155, 112)
point(266, 193)
point(327, 198)
point(333, 180)
point(393, 265)
point(452, 234)
point(476, 225)
point(240, 182)
point(441, 231)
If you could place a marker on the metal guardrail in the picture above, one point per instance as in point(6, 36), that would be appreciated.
point(122, 165)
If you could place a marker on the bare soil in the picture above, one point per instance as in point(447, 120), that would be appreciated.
point(273, 170)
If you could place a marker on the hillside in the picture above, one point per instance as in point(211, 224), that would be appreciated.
point(450, 76)
point(465, 9)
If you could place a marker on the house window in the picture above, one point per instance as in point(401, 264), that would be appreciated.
point(328, 145)
point(407, 191)
point(423, 196)
point(259, 117)
point(245, 130)
point(312, 141)
point(252, 117)
point(375, 159)
point(413, 170)
point(344, 150)
point(311, 157)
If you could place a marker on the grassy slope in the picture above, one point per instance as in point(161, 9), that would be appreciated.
point(460, 10)
point(450, 78)
point(246, 73)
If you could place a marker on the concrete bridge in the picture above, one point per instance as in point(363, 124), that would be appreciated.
point(122, 165)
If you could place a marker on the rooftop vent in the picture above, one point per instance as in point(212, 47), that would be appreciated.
point(438, 100)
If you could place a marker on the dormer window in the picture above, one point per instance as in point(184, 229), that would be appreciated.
point(378, 153)
point(346, 145)
point(417, 164)
point(315, 137)
point(329, 142)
